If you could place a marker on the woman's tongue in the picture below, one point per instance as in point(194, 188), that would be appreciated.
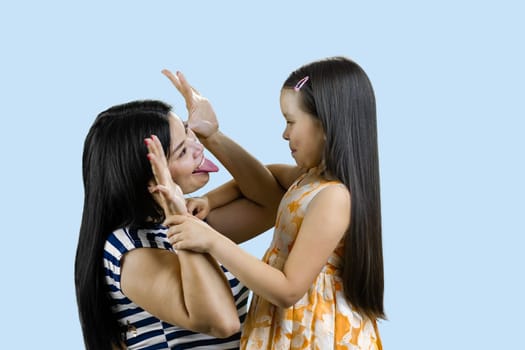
point(207, 166)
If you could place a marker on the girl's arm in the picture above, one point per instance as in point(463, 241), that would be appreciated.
point(323, 227)
point(253, 179)
point(186, 289)
point(284, 174)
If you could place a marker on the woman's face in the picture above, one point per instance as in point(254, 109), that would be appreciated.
point(185, 157)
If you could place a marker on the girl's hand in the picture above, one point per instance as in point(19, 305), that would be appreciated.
point(201, 117)
point(187, 232)
point(198, 206)
point(165, 192)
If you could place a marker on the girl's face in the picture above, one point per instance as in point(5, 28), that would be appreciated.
point(185, 157)
point(303, 131)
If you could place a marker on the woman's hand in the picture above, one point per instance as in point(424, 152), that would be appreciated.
point(190, 233)
point(165, 192)
point(198, 206)
point(201, 117)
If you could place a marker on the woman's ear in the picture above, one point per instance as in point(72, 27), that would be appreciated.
point(152, 186)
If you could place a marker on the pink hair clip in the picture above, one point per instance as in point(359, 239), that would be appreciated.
point(300, 83)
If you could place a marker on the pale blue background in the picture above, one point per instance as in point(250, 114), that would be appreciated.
point(448, 76)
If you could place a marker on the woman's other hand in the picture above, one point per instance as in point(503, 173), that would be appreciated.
point(198, 206)
point(165, 191)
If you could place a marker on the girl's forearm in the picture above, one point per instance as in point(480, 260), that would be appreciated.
point(252, 178)
point(263, 279)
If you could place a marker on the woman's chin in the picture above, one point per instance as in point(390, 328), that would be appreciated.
point(198, 180)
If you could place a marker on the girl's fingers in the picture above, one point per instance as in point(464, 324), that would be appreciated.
point(175, 219)
point(174, 80)
point(179, 81)
point(187, 87)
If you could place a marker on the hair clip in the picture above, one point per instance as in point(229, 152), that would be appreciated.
point(300, 83)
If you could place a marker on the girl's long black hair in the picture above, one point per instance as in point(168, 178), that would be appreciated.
point(115, 172)
point(339, 93)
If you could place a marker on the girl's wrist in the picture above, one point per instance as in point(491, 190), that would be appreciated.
point(215, 243)
point(211, 139)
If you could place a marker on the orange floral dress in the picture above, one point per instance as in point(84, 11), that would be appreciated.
point(322, 319)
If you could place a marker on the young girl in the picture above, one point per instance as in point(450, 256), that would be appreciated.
point(320, 283)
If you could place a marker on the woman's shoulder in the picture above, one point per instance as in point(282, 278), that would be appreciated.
point(125, 239)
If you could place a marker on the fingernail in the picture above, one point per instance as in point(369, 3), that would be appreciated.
point(149, 156)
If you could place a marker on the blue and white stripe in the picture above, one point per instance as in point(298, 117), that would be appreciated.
point(145, 331)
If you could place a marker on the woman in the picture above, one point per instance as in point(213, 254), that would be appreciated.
point(132, 289)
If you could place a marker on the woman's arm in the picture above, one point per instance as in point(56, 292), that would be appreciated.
point(323, 226)
point(226, 202)
point(186, 289)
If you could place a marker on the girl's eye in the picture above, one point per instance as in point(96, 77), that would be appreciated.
point(182, 153)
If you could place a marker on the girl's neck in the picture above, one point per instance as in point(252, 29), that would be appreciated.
point(314, 174)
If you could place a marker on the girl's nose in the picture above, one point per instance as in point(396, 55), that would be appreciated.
point(285, 134)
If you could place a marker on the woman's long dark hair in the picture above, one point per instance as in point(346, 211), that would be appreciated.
point(115, 172)
point(339, 93)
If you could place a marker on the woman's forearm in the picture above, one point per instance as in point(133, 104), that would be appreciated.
point(223, 195)
point(207, 295)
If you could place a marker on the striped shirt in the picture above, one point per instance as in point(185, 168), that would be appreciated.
point(145, 331)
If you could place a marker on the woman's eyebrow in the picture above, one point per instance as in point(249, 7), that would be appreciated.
point(182, 143)
point(178, 147)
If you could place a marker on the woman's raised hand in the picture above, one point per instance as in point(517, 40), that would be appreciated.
point(166, 192)
point(201, 117)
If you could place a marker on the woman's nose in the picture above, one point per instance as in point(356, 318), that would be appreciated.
point(192, 135)
point(197, 147)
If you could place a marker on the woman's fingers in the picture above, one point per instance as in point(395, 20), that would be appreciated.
point(198, 207)
point(158, 160)
point(168, 194)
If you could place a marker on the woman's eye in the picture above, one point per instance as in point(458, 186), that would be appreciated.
point(182, 153)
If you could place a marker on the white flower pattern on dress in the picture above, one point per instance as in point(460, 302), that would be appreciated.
point(322, 319)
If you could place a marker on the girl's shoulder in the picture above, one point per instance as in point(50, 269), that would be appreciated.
point(334, 190)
